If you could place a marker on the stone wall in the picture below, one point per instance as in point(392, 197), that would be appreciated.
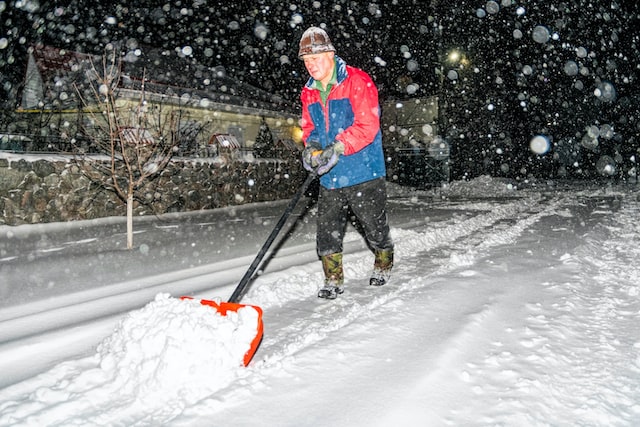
point(57, 190)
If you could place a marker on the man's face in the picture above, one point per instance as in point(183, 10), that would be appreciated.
point(319, 66)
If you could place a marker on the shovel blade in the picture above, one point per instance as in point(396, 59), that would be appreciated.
point(225, 307)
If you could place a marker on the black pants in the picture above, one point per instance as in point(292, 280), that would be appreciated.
point(367, 201)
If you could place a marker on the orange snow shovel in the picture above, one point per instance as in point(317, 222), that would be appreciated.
point(233, 303)
point(225, 307)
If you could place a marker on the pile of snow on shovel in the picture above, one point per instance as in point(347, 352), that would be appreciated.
point(179, 346)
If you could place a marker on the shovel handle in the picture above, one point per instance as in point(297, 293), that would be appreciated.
point(240, 290)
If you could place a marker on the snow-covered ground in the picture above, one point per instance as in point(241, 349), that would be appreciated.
point(507, 306)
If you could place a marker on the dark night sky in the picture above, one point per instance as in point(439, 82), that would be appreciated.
point(517, 83)
point(257, 41)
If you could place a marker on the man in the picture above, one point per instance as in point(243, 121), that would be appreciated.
point(343, 144)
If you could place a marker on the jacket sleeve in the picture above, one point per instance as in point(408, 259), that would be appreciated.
point(363, 96)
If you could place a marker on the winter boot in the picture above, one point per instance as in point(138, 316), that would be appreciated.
point(334, 276)
point(381, 267)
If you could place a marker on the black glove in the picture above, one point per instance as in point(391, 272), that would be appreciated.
point(310, 156)
point(329, 157)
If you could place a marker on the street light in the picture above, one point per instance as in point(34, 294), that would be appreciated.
point(453, 59)
point(453, 56)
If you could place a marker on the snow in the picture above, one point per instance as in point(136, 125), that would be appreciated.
point(511, 303)
point(174, 348)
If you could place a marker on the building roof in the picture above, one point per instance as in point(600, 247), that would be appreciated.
point(52, 61)
point(53, 76)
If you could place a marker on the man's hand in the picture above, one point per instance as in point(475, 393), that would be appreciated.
point(329, 157)
point(310, 156)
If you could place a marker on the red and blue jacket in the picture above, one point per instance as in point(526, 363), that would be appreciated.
point(351, 115)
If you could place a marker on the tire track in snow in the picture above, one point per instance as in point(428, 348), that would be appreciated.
point(600, 374)
point(574, 367)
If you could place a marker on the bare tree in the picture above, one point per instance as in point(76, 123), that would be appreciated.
point(137, 145)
